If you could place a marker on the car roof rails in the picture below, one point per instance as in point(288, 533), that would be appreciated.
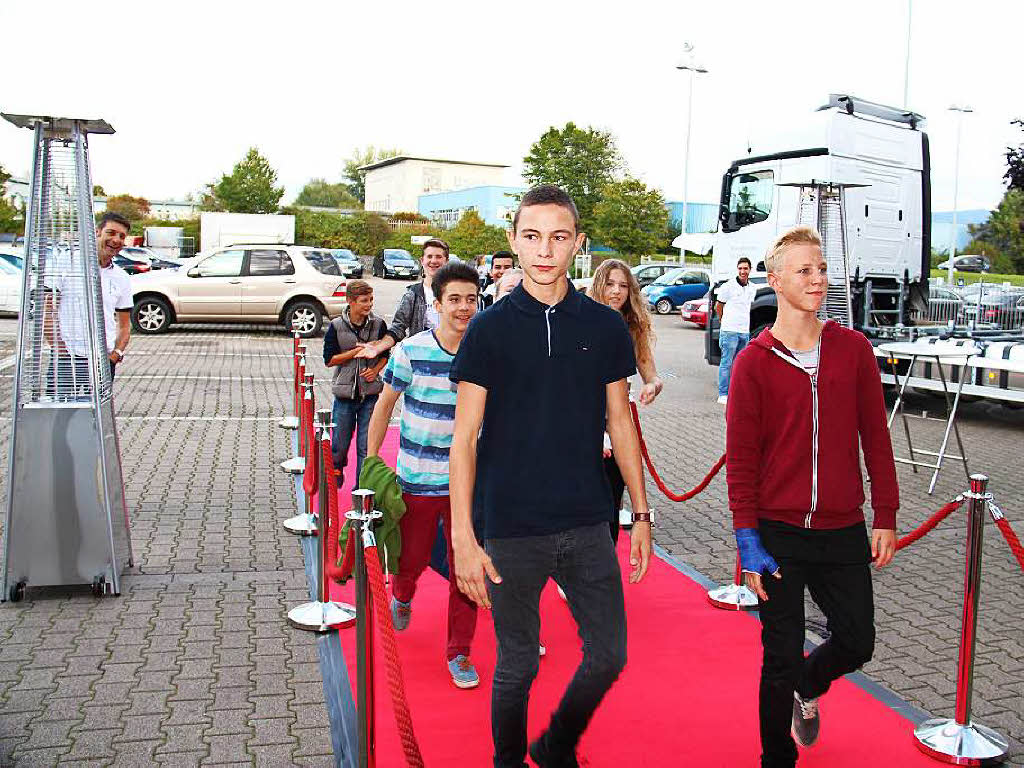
point(853, 105)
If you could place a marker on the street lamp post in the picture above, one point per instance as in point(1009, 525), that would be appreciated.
point(961, 109)
point(687, 63)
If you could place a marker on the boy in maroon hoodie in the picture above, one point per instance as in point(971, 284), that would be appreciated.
point(805, 396)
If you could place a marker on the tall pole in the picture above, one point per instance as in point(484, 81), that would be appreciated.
point(906, 66)
point(956, 184)
point(686, 159)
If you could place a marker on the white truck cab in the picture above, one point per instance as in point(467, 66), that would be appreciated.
point(884, 153)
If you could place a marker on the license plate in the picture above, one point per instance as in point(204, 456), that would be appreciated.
point(687, 315)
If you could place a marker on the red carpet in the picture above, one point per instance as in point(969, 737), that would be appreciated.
point(687, 697)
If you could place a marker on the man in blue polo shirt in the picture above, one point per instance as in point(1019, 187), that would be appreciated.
point(541, 375)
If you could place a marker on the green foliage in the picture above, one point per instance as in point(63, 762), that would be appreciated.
point(357, 179)
point(672, 231)
point(472, 236)
point(12, 218)
point(323, 194)
point(249, 188)
point(630, 217)
point(410, 216)
point(582, 162)
point(98, 191)
point(1015, 163)
point(132, 208)
point(1001, 238)
point(977, 277)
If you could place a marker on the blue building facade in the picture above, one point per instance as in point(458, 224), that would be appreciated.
point(495, 205)
point(700, 217)
point(942, 228)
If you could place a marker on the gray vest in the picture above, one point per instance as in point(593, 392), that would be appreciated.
point(346, 383)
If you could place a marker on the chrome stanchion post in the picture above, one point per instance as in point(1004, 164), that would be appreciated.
point(958, 740)
point(361, 517)
point(297, 464)
point(735, 596)
point(292, 422)
point(305, 523)
point(322, 614)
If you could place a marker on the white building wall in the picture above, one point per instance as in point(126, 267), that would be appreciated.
point(397, 187)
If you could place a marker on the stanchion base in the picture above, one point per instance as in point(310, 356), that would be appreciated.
point(321, 617)
point(732, 597)
point(289, 422)
point(946, 740)
point(295, 465)
point(303, 524)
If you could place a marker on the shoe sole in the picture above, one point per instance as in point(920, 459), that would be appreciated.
point(792, 732)
point(465, 686)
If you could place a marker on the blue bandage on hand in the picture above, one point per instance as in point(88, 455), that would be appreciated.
point(754, 558)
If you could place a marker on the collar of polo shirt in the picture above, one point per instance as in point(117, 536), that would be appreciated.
point(571, 302)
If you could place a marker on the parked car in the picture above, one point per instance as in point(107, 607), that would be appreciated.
point(1004, 310)
point(145, 255)
point(645, 274)
point(133, 264)
point(348, 262)
point(395, 262)
point(696, 312)
point(288, 284)
point(676, 287)
point(967, 263)
point(10, 289)
point(15, 258)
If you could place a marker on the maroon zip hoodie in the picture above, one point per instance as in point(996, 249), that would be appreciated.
point(792, 443)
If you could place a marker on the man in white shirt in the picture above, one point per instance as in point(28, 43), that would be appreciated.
point(65, 279)
point(732, 305)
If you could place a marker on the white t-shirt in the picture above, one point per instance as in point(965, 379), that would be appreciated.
point(67, 277)
point(737, 300)
point(432, 318)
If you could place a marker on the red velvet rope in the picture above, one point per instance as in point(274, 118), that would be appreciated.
point(310, 481)
point(1012, 540)
point(334, 525)
point(929, 524)
point(654, 473)
point(396, 682)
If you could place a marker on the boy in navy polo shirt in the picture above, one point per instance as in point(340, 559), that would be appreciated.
point(539, 375)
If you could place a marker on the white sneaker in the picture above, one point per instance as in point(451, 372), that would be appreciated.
point(723, 399)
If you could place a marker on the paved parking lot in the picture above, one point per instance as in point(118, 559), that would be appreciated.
point(194, 663)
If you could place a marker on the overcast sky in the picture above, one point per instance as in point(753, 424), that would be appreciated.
point(189, 86)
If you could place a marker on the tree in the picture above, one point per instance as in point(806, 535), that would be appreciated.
point(630, 218)
point(322, 194)
point(582, 162)
point(357, 179)
point(1001, 238)
point(1015, 163)
point(472, 236)
point(132, 208)
point(98, 191)
point(249, 188)
point(11, 218)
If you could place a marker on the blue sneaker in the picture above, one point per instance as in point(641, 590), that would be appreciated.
point(401, 614)
point(463, 672)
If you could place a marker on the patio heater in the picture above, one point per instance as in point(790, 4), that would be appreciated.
point(66, 519)
point(822, 205)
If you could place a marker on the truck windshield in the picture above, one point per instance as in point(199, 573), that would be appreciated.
point(750, 199)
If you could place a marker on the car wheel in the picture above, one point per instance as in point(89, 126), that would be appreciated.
point(151, 315)
point(663, 307)
point(304, 317)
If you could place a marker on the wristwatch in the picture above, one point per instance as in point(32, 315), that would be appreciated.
point(644, 517)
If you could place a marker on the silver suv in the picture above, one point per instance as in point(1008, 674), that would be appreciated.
point(288, 284)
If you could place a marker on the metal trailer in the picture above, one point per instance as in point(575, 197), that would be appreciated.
point(66, 520)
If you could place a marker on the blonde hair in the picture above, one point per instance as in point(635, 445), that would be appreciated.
point(634, 310)
point(789, 238)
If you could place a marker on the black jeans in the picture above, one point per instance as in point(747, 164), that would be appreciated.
point(582, 562)
point(834, 565)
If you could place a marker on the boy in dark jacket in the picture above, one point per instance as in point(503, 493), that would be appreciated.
point(804, 397)
point(355, 379)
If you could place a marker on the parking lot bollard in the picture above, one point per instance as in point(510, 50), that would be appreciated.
point(292, 422)
point(322, 614)
point(305, 523)
point(959, 740)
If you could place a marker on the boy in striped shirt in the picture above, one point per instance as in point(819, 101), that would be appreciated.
point(419, 369)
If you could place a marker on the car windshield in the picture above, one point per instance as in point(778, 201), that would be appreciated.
point(344, 254)
point(397, 256)
point(323, 262)
point(670, 277)
point(6, 268)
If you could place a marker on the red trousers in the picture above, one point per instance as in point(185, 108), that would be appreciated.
point(419, 530)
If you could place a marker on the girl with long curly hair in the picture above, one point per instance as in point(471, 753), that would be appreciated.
point(616, 286)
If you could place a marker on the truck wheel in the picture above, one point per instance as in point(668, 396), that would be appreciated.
point(663, 307)
point(304, 317)
point(151, 315)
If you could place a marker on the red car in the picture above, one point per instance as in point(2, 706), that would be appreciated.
point(695, 312)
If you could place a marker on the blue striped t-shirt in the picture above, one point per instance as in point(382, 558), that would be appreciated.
point(419, 368)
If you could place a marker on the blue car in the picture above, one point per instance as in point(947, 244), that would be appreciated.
point(675, 288)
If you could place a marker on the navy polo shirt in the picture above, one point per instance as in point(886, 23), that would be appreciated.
point(539, 463)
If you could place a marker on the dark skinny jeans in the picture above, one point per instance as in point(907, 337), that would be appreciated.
point(583, 563)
